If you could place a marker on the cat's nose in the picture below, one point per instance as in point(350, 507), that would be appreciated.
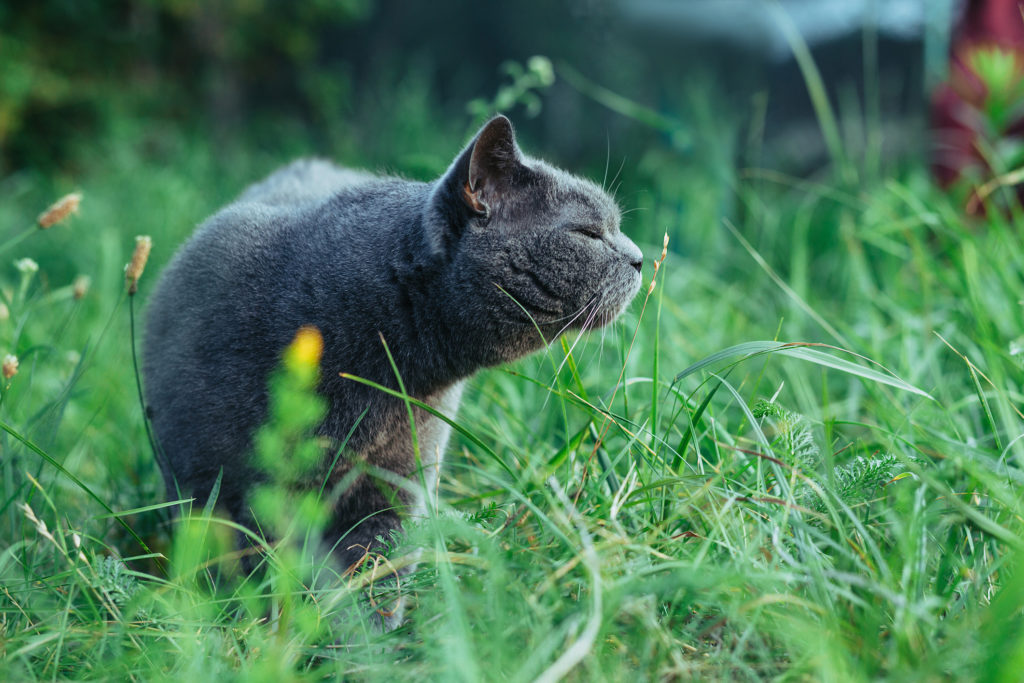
point(633, 255)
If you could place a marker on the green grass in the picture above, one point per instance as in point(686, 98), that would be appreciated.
point(776, 512)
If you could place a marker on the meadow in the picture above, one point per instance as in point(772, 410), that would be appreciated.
point(796, 457)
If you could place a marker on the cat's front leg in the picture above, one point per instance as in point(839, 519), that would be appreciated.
point(364, 523)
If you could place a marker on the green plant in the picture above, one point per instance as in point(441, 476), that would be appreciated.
point(526, 82)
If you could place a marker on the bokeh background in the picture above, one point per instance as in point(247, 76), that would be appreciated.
point(672, 99)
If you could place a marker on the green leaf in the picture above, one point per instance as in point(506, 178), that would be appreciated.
point(800, 350)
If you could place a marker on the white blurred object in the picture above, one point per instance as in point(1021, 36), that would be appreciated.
point(751, 24)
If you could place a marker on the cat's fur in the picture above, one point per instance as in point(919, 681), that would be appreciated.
point(456, 274)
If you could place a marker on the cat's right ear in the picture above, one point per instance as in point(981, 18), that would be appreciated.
point(486, 169)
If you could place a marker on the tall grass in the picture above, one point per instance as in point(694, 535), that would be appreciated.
point(683, 495)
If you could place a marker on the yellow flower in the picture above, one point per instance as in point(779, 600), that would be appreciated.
point(306, 349)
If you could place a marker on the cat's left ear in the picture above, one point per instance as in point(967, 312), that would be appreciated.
point(494, 162)
point(489, 166)
point(474, 185)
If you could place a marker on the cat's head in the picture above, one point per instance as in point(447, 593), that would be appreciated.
point(531, 244)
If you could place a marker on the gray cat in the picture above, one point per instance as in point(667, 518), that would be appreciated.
point(477, 268)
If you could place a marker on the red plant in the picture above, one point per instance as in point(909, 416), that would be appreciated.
point(977, 115)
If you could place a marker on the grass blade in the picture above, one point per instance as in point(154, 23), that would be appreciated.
point(802, 351)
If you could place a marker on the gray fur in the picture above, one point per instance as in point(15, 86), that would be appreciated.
point(446, 271)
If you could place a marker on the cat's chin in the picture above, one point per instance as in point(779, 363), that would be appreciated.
point(614, 304)
point(605, 315)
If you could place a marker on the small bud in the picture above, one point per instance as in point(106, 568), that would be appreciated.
point(306, 348)
point(9, 368)
point(5, 312)
point(80, 287)
point(26, 266)
point(76, 539)
point(59, 210)
point(133, 271)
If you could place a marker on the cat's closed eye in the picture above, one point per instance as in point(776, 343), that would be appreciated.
point(587, 231)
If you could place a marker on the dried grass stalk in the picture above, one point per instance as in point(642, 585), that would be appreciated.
point(133, 271)
point(59, 210)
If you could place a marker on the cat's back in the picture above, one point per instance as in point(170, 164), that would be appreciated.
point(250, 243)
point(304, 181)
point(293, 246)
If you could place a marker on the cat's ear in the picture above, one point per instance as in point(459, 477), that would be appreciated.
point(494, 161)
point(487, 168)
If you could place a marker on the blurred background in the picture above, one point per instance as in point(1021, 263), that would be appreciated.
point(669, 97)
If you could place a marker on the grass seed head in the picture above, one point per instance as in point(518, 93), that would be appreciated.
point(59, 210)
point(133, 271)
point(9, 367)
point(31, 516)
point(657, 264)
point(80, 287)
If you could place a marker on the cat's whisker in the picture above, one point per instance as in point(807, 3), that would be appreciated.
point(540, 325)
point(607, 318)
point(621, 166)
point(571, 317)
point(607, 160)
point(604, 337)
point(595, 299)
point(565, 360)
point(594, 303)
point(583, 356)
point(572, 347)
point(588, 322)
point(635, 208)
point(599, 354)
